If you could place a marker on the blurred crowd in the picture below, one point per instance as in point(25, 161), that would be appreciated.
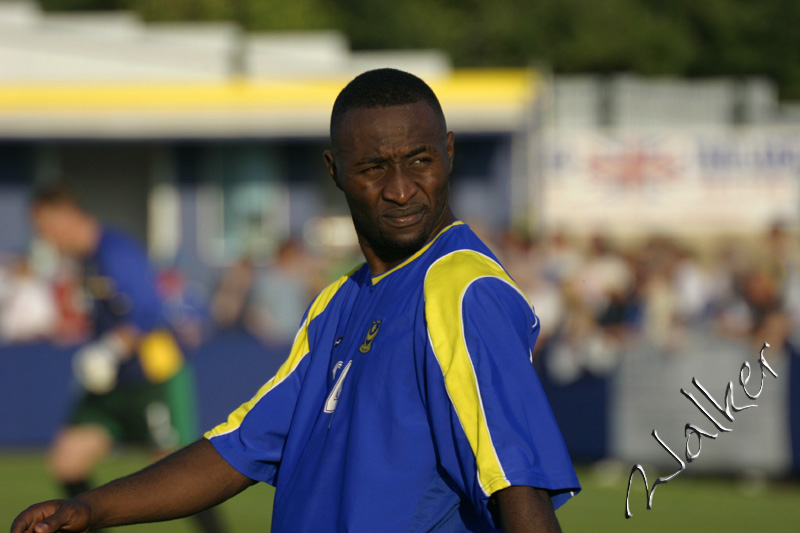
point(42, 298)
point(595, 297)
point(598, 298)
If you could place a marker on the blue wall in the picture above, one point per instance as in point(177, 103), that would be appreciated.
point(37, 391)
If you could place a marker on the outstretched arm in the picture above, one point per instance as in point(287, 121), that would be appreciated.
point(526, 509)
point(184, 483)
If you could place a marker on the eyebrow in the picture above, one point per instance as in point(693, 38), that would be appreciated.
point(372, 161)
point(417, 151)
point(377, 160)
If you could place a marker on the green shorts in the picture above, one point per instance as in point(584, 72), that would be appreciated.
point(159, 415)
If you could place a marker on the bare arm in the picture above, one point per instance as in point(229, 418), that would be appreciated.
point(184, 483)
point(526, 509)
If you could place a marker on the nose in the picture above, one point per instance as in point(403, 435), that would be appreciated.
point(400, 186)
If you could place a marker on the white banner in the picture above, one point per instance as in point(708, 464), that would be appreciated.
point(672, 181)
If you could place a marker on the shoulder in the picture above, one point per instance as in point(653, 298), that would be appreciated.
point(114, 237)
point(453, 275)
point(461, 260)
point(463, 275)
point(121, 256)
point(114, 242)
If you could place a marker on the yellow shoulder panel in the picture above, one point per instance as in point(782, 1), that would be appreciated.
point(445, 284)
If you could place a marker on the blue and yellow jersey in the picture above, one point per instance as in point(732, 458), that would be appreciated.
point(407, 400)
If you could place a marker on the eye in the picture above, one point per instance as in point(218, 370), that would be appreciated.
point(421, 161)
point(375, 169)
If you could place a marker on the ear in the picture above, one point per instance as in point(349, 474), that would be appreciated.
point(330, 162)
point(450, 148)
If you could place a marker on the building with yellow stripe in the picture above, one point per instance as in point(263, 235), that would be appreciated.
point(206, 143)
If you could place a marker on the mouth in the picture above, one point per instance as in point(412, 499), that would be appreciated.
point(404, 218)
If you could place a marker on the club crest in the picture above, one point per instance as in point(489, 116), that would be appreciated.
point(371, 334)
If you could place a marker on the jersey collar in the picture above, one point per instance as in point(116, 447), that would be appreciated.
point(376, 279)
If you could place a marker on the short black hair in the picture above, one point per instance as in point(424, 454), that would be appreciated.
point(383, 87)
point(54, 195)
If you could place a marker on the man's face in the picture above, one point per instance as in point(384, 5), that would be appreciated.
point(55, 224)
point(393, 163)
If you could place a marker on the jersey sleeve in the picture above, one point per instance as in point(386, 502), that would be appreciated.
point(252, 438)
point(492, 424)
point(135, 293)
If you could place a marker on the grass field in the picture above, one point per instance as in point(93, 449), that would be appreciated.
point(684, 504)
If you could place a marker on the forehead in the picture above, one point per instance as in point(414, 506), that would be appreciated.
point(370, 128)
point(47, 209)
point(49, 212)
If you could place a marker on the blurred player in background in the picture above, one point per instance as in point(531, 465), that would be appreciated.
point(136, 389)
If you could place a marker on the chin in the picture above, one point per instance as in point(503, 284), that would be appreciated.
point(394, 243)
point(406, 241)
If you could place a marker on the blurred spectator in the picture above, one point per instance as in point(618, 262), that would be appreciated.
point(281, 294)
point(184, 306)
point(28, 309)
point(42, 298)
point(674, 290)
point(780, 254)
point(562, 257)
point(603, 281)
point(693, 286)
point(232, 297)
point(527, 261)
